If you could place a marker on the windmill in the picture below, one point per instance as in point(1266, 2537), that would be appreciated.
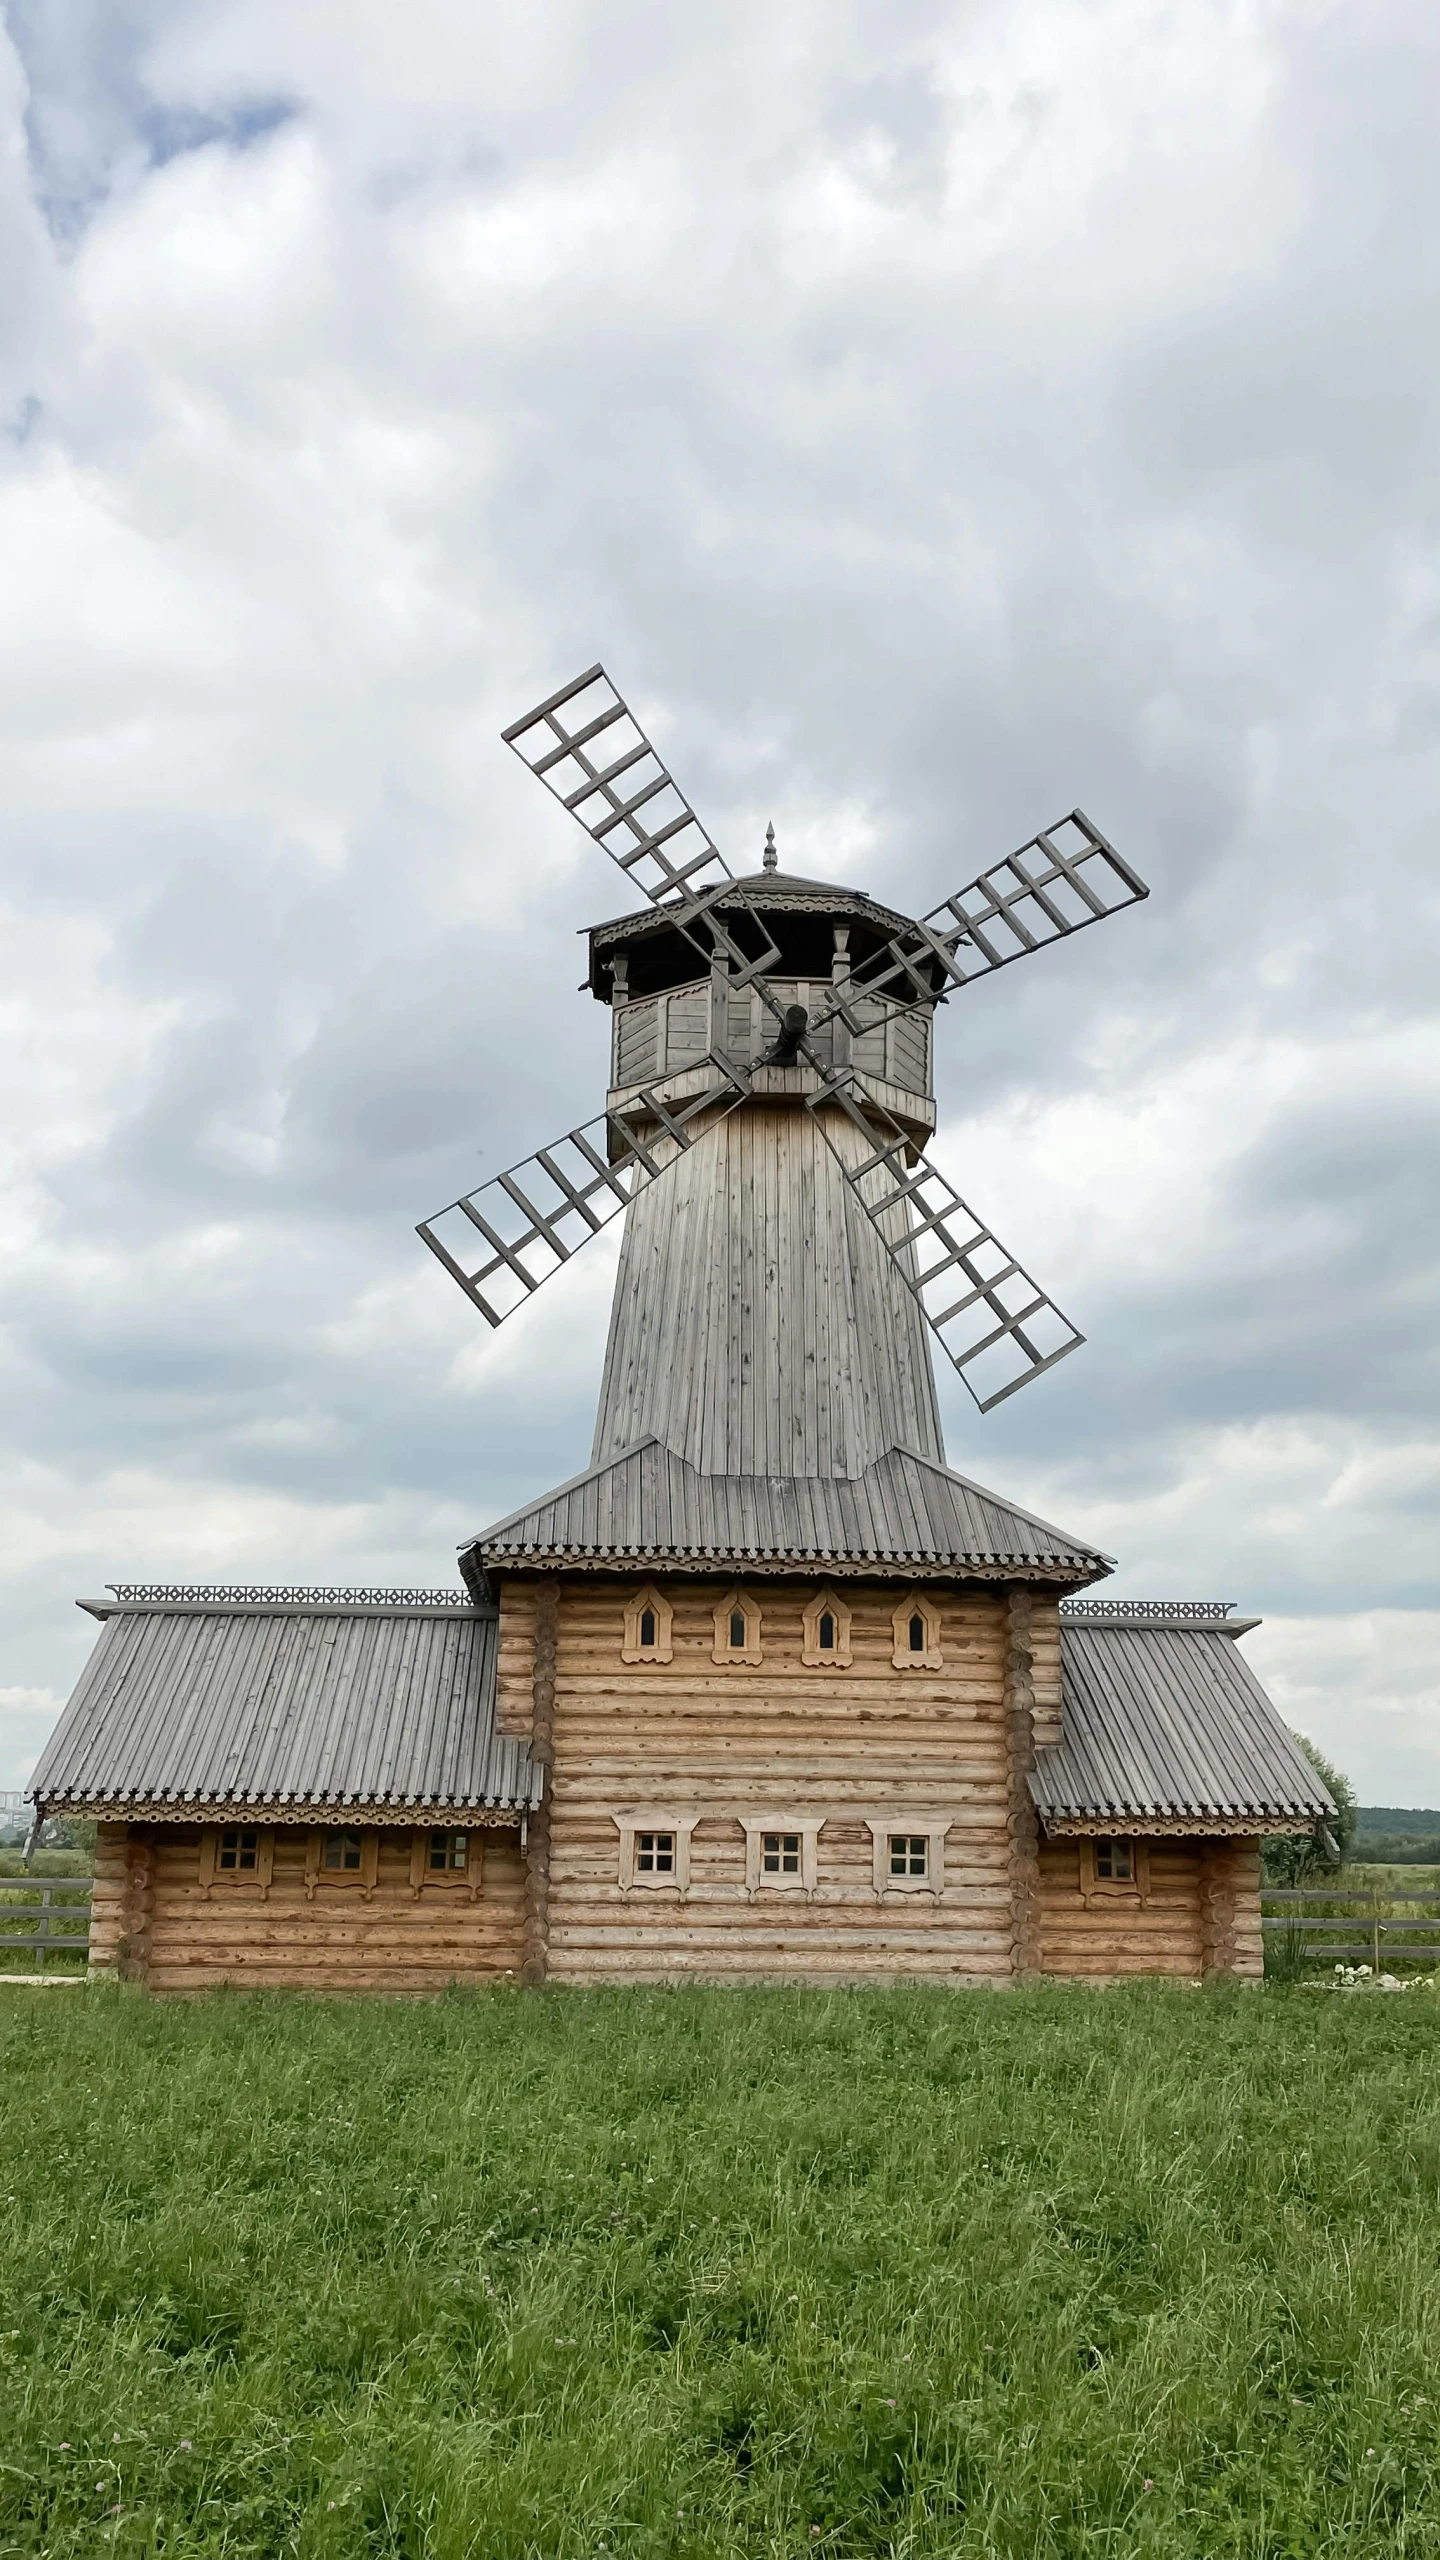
point(827, 1046)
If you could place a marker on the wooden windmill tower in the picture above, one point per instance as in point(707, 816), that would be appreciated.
point(803, 1014)
point(768, 1554)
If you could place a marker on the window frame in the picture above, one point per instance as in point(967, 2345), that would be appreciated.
point(932, 1658)
point(841, 1655)
point(898, 1821)
point(734, 1656)
point(634, 1820)
point(809, 1826)
point(322, 1879)
point(631, 1648)
point(466, 1880)
point(234, 1879)
point(1097, 1888)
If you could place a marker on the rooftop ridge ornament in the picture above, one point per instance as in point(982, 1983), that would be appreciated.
point(997, 1325)
point(269, 1595)
point(1144, 1613)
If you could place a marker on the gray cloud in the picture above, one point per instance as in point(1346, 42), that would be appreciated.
point(935, 418)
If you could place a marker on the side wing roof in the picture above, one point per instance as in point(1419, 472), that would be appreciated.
point(1165, 1726)
point(288, 1707)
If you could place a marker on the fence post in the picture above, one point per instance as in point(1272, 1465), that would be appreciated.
point(1375, 1925)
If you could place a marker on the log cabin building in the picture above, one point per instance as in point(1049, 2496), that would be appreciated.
point(768, 1693)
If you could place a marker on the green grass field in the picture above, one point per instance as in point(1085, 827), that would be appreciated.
point(912, 2273)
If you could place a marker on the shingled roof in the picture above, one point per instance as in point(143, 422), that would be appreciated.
point(904, 1515)
point(288, 1706)
point(1166, 1728)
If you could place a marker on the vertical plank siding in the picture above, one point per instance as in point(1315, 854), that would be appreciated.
point(759, 1326)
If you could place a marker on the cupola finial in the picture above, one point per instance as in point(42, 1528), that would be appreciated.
point(772, 858)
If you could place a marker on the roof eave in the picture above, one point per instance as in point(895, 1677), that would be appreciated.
point(914, 1568)
point(289, 1812)
point(1208, 1822)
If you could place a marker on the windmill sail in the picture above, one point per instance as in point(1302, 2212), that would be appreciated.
point(995, 1324)
point(1064, 878)
point(625, 797)
point(535, 1216)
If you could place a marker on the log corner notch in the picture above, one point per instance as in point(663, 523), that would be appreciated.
point(1229, 1908)
point(535, 1963)
point(1022, 1826)
point(121, 1902)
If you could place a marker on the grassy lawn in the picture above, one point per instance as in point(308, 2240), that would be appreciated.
point(694, 2273)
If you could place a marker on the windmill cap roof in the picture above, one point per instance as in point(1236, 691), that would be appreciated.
point(780, 890)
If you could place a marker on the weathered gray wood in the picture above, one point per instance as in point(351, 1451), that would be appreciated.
point(759, 1326)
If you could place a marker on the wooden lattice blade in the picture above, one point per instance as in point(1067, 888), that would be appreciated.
point(587, 747)
point(996, 1325)
point(534, 1217)
point(591, 753)
point(1065, 878)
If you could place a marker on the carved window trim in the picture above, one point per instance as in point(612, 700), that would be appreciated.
point(751, 1653)
point(632, 1649)
point(1097, 1888)
point(809, 1826)
point(654, 1818)
point(916, 1604)
point(362, 1879)
point(231, 1880)
point(934, 1827)
point(466, 1880)
point(840, 1656)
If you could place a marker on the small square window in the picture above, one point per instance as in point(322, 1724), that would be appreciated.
point(909, 1853)
point(1114, 1862)
point(238, 1853)
point(654, 1853)
point(449, 1853)
point(780, 1853)
point(342, 1853)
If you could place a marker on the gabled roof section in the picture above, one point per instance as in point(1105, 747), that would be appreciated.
point(1166, 1728)
point(904, 1515)
point(283, 1707)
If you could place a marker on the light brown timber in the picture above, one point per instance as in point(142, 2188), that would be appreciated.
point(338, 1939)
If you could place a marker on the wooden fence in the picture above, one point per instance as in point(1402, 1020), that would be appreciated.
point(1372, 1910)
point(43, 1938)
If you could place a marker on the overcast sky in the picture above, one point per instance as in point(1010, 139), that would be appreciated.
point(936, 415)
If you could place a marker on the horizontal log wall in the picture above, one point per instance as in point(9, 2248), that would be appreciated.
point(705, 1738)
point(1199, 1914)
point(178, 1937)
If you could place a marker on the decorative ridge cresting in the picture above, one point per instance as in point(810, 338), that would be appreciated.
point(1147, 1613)
point(271, 1595)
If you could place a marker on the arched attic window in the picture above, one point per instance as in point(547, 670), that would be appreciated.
point(917, 1634)
point(826, 1625)
point(737, 1629)
point(648, 1621)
